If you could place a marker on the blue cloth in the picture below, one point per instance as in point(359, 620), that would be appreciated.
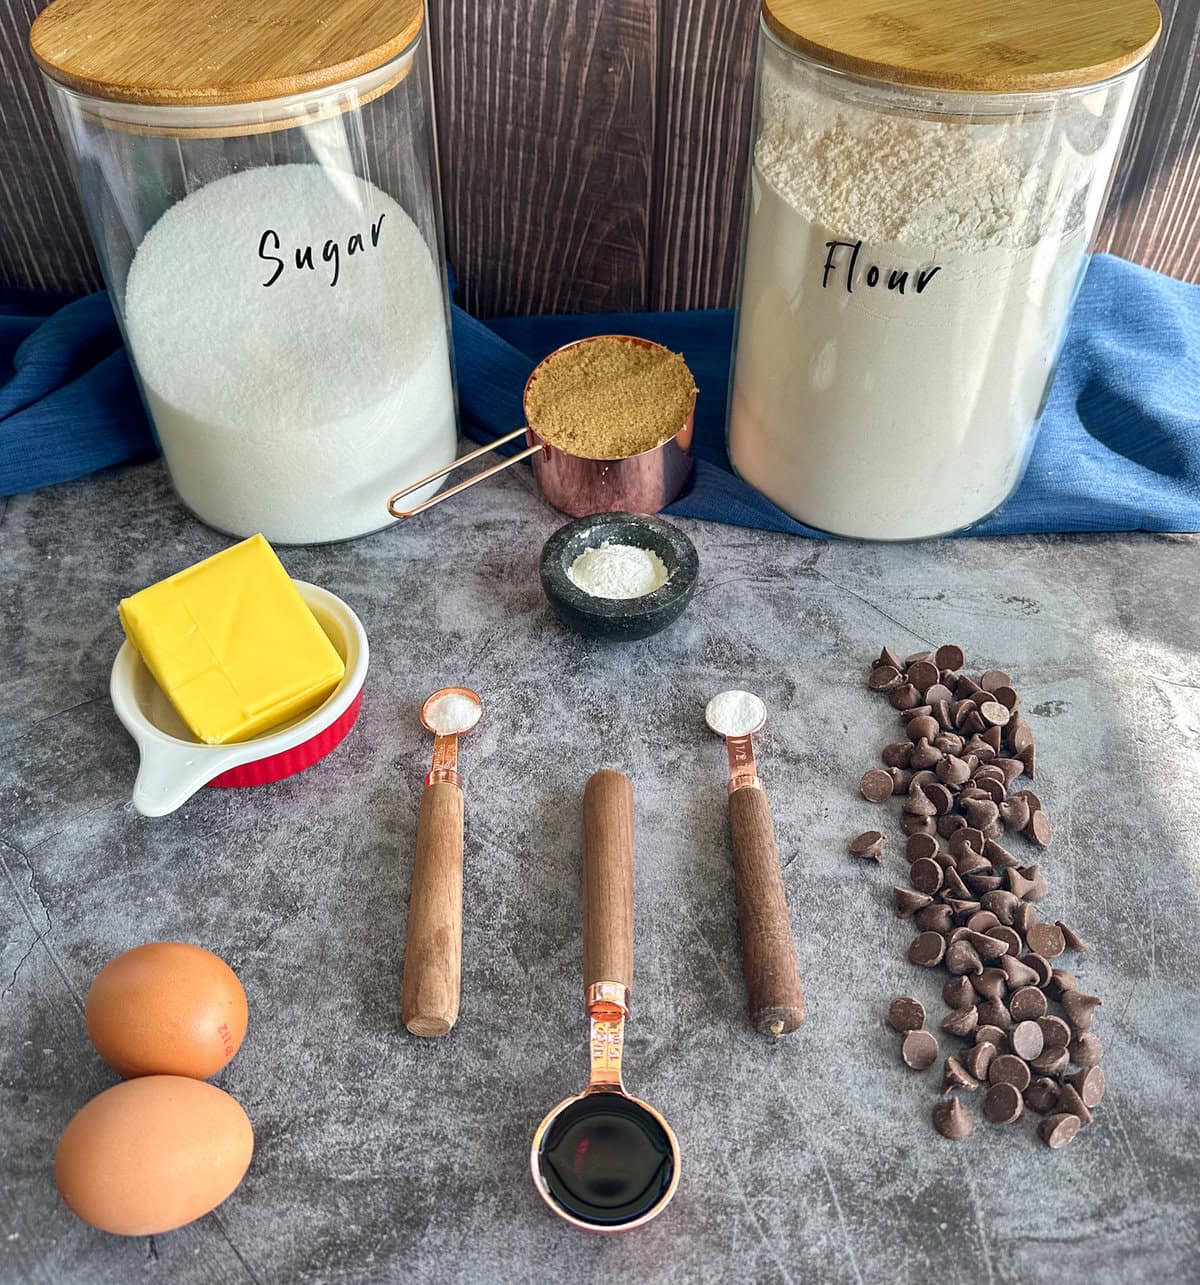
point(1118, 449)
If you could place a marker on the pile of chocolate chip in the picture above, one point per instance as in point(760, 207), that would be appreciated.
point(973, 902)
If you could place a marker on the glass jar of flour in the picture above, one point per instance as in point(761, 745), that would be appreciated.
point(261, 186)
point(925, 180)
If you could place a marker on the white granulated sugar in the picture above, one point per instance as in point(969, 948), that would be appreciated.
point(735, 713)
point(886, 414)
point(294, 408)
point(452, 713)
point(618, 571)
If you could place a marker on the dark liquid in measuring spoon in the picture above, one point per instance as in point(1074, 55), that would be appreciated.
point(607, 1160)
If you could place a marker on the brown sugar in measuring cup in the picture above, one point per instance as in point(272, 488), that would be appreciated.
point(573, 480)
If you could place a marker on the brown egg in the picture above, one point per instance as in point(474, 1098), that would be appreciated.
point(166, 1009)
point(152, 1154)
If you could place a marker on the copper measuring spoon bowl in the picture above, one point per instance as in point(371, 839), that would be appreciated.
point(573, 484)
point(603, 1160)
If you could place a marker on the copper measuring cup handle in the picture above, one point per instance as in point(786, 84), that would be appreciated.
point(471, 481)
point(776, 997)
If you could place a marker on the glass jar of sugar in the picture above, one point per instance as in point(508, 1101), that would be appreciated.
point(262, 190)
point(925, 180)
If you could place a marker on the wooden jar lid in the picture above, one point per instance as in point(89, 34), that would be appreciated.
point(182, 53)
point(972, 46)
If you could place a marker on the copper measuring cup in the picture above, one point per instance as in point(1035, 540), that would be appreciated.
point(773, 988)
point(573, 484)
point(433, 949)
point(603, 1160)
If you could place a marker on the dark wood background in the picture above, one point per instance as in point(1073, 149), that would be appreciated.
point(593, 154)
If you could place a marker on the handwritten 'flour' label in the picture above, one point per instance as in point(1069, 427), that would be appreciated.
point(331, 252)
point(842, 268)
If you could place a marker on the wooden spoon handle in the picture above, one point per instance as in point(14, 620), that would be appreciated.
point(608, 880)
point(768, 953)
point(433, 954)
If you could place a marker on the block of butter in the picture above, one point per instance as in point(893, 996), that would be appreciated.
point(233, 644)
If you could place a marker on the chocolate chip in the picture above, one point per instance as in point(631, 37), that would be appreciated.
point(905, 696)
point(940, 796)
point(947, 825)
point(923, 727)
point(948, 742)
point(956, 1076)
point(927, 950)
point(1003, 933)
point(967, 686)
point(963, 908)
point(990, 983)
point(995, 714)
point(952, 1120)
point(971, 862)
point(1070, 1102)
point(908, 902)
point(1038, 828)
point(883, 678)
point(997, 855)
point(901, 779)
point(1008, 1068)
point(1073, 940)
point(1089, 1084)
point(993, 1013)
point(1040, 887)
point(1019, 974)
point(919, 1050)
point(986, 947)
point(948, 656)
point(1006, 696)
point(1086, 1050)
point(876, 785)
point(888, 657)
point(981, 883)
point(896, 754)
point(993, 1035)
point(952, 771)
point(1060, 982)
point(978, 1058)
point(1057, 1130)
point(960, 1022)
point(934, 919)
point(1003, 1104)
point(979, 812)
point(1040, 966)
point(1042, 1095)
point(869, 845)
point(1080, 1008)
point(1014, 813)
point(917, 804)
point(1035, 804)
point(968, 837)
point(957, 992)
point(1051, 1061)
point(961, 958)
point(1024, 917)
point(1026, 1038)
point(1001, 903)
point(925, 875)
point(1055, 1032)
point(981, 921)
point(910, 825)
point(917, 711)
point(995, 792)
point(1026, 1005)
point(920, 845)
point(923, 674)
point(906, 1014)
point(994, 678)
point(955, 886)
point(1028, 762)
point(1018, 884)
point(1046, 940)
point(940, 694)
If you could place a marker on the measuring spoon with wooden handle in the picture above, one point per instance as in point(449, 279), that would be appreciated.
point(433, 952)
point(773, 987)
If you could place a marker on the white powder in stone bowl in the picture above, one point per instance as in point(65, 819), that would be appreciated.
point(735, 713)
point(618, 571)
point(293, 408)
point(452, 713)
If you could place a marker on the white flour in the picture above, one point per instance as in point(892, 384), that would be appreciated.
point(293, 408)
point(735, 713)
point(452, 713)
point(867, 411)
point(618, 571)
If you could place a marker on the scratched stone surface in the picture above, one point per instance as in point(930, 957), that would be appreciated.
point(381, 1157)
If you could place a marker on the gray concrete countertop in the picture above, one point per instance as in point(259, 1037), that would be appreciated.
point(381, 1157)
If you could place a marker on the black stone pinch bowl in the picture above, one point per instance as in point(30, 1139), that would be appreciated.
point(619, 619)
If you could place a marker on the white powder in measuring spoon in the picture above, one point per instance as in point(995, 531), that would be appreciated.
point(293, 408)
point(890, 414)
point(452, 713)
point(618, 571)
point(735, 713)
